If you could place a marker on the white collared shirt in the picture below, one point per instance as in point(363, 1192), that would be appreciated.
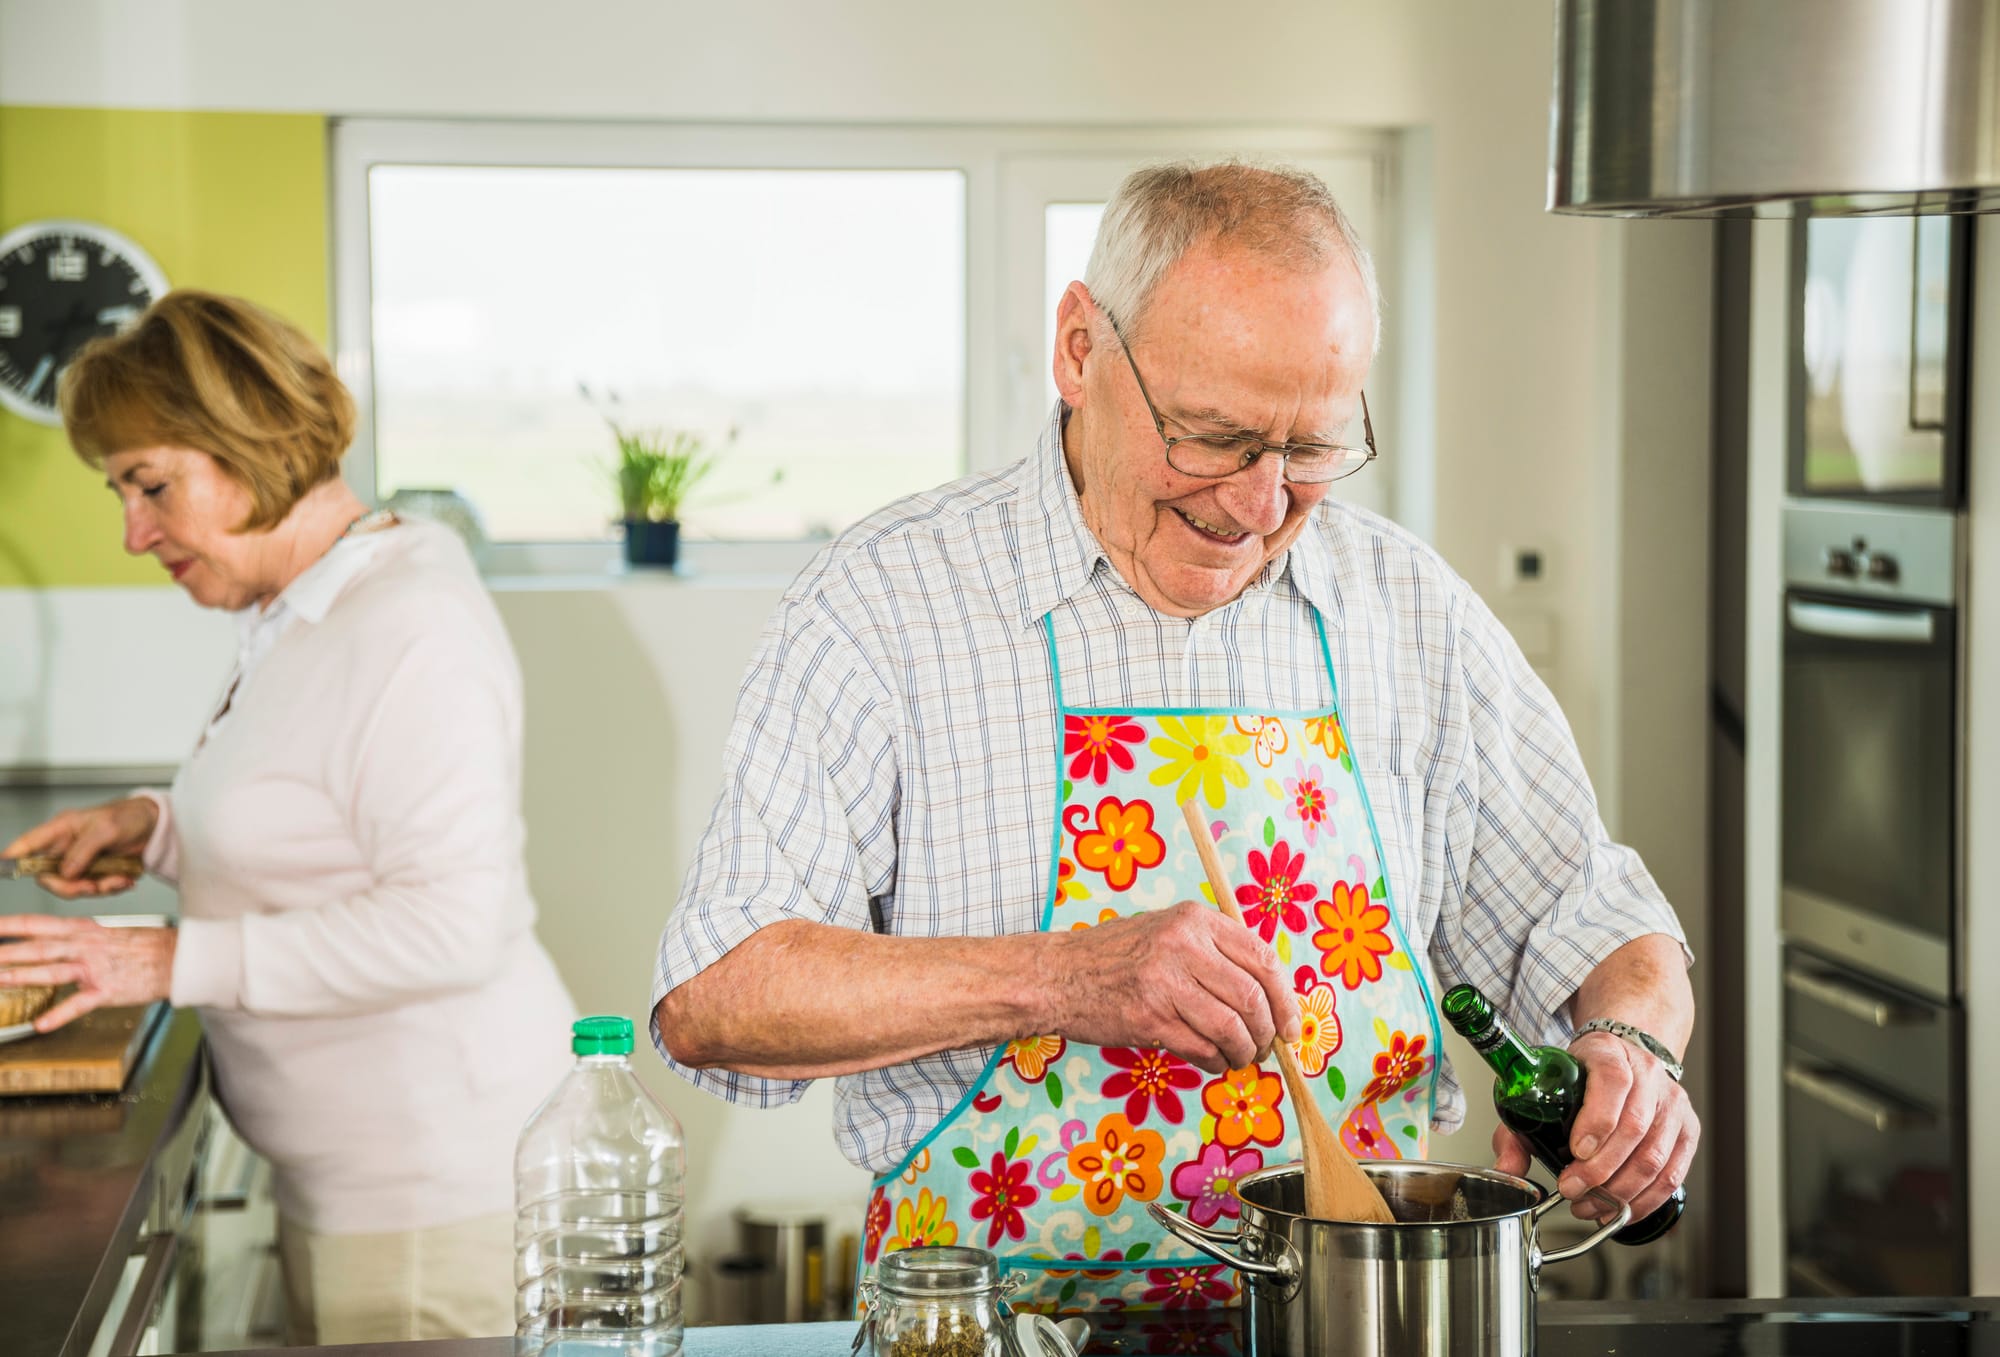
point(356, 924)
point(892, 761)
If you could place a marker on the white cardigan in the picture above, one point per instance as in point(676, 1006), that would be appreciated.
point(356, 923)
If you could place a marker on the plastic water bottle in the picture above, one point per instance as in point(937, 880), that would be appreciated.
point(597, 1223)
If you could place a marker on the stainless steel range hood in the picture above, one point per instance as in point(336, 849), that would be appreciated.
point(1707, 108)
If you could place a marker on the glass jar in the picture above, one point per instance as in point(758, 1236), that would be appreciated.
point(935, 1301)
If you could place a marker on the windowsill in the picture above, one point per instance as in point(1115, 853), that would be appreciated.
point(639, 578)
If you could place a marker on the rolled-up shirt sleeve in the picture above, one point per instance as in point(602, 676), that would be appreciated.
point(805, 824)
point(1543, 895)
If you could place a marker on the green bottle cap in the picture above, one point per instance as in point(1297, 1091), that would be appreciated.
point(601, 1036)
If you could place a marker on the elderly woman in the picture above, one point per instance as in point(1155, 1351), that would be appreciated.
point(346, 835)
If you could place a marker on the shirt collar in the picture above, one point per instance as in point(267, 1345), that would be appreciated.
point(1061, 553)
point(311, 596)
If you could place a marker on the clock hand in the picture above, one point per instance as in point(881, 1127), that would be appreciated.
point(40, 374)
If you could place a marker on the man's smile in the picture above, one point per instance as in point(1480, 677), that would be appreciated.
point(1210, 530)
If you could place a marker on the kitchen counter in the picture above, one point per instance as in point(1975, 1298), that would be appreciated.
point(84, 1181)
point(1712, 1328)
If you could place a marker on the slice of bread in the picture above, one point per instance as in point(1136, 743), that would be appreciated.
point(23, 1003)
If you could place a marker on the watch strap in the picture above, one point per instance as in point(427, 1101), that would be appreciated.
point(1645, 1041)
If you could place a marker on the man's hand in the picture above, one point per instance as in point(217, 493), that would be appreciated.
point(1187, 978)
point(110, 967)
point(79, 836)
point(1635, 1136)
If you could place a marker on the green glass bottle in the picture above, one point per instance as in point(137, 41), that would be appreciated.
point(1538, 1090)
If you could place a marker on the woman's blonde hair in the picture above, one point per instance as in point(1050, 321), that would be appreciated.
point(218, 375)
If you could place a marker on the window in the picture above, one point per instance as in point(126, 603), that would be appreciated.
point(866, 310)
point(817, 314)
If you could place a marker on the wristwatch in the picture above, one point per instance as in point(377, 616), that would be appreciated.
point(1645, 1041)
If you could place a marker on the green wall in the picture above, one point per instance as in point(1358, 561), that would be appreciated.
point(230, 202)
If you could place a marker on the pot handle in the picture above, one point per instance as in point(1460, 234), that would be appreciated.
point(1603, 1232)
point(1284, 1271)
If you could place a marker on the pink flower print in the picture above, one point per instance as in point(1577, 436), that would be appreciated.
point(1208, 1184)
point(1309, 801)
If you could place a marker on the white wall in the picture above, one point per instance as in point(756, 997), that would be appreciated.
point(1535, 321)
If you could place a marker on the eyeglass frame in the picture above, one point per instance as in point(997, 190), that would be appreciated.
point(1284, 451)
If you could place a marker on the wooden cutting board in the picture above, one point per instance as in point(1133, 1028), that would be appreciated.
point(94, 1054)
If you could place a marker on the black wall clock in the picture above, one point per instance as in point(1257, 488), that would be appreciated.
point(63, 283)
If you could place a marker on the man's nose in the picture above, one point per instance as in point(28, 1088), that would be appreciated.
point(1257, 496)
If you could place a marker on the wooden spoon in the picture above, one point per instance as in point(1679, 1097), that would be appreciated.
point(1336, 1188)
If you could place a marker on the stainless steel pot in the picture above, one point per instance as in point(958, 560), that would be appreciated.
point(1456, 1273)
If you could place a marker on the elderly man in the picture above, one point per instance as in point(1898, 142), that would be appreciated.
point(949, 865)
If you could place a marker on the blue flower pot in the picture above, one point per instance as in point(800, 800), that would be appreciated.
point(652, 544)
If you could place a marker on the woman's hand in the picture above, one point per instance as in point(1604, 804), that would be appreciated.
point(110, 967)
point(78, 836)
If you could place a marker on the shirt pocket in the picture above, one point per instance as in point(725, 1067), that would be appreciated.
point(1399, 802)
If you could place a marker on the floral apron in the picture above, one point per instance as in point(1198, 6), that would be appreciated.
point(1049, 1160)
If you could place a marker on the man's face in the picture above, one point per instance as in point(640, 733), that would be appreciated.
point(1231, 343)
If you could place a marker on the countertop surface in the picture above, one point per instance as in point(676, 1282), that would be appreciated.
point(76, 1181)
point(1713, 1328)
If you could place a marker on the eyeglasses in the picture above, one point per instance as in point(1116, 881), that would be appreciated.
point(1212, 456)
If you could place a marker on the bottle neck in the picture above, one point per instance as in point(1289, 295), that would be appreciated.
point(1506, 1053)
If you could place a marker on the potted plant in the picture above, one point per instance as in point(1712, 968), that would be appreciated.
point(656, 469)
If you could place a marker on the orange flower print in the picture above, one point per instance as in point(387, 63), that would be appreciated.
point(1324, 731)
point(1121, 1162)
point(1093, 744)
point(1365, 1136)
point(1267, 737)
point(1319, 1029)
point(1068, 888)
point(1397, 1068)
point(921, 1222)
point(1032, 1056)
point(1355, 938)
point(1245, 1106)
point(1104, 916)
point(1122, 843)
point(875, 1225)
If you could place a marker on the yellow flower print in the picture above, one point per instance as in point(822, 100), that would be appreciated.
point(1200, 756)
point(922, 1222)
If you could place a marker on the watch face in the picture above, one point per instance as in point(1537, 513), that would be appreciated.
point(63, 283)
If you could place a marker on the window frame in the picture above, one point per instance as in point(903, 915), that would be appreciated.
point(978, 152)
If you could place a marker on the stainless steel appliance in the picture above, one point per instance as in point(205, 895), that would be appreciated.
point(1875, 1156)
point(1875, 1162)
point(1456, 1272)
point(1728, 107)
point(1870, 773)
point(1881, 340)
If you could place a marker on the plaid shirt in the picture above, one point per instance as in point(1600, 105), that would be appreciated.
point(890, 763)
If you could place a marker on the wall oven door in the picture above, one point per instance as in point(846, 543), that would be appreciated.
point(1871, 779)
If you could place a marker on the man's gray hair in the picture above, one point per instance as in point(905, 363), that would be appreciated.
point(1159, 213)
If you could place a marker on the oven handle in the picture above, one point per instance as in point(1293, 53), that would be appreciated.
point(1850, 1101)
point(1861, 624)
point(1856, 1002)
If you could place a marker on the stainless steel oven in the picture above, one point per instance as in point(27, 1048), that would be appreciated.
point(1875, 1155)
point(1871, 719)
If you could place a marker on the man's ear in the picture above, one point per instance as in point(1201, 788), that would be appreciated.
point(1073, 342)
